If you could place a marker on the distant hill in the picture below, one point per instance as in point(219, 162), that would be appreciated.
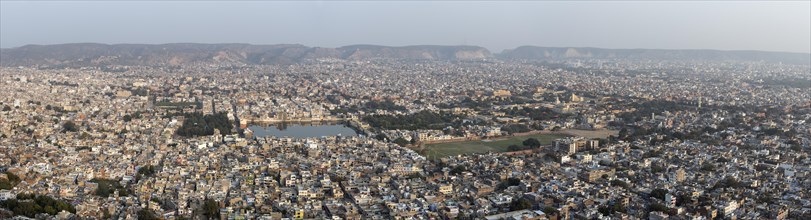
point(90, 54)
point(415, 52)
point(556, 53)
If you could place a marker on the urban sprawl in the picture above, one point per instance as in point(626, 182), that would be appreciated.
point(483, 139)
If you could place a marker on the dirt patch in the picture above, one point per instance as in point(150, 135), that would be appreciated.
point(601, 133)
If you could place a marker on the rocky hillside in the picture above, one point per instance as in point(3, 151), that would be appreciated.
point(87, 54)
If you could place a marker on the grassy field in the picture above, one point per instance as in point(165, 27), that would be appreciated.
point(495, 145)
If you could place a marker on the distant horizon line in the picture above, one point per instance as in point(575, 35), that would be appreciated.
point(411, 45)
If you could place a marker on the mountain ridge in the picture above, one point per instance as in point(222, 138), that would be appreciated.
point(84, 54)
point(96, 54)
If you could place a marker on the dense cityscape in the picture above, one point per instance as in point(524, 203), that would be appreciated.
point(433, 139)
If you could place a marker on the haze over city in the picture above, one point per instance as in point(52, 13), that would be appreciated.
point(724, 25)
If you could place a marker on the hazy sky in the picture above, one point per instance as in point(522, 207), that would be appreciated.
point(771, 26)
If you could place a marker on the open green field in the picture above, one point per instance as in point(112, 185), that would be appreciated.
point(483, 146)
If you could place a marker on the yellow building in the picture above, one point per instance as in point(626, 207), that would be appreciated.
point(576, 98)
point(502, 93)
point(123, 93)
point(680, 175)
point(446, 189)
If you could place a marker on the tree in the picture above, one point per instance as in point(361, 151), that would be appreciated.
point(146, 171)
point(708, 167)
point(513, 181)
point(549, 210)
point(796, 148)
point(658, 193)
point(683, 199)
point(84, 135)
point(4, 184)
point(619, 183)
point(532, 143)
point(70, 126)
point(458, 169)
point(659, 207)
point(509, 182)
point(400, 141)
point(50, 210)
point(146, 214)
point(211, 209)
point(656, 168)
point(727, 182)
point(11, 181)
point(520, 204)
point(618, 207)
point(381, 137)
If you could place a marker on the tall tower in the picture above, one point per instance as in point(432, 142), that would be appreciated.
point(699, 102)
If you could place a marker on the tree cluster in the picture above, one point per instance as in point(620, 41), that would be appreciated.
point(458, 169)
point(128, 117)
point(140, 91)
point(197, 124)
point(70, 126)
point(211, 209)
point(658, 193)
point(11, 181)
point(30, 205)
point(708, 166)
point(619, 183)
point(529, 143)
point(146, 214)
point(727, 182)
point(520, 204)
point(508, 182)
point(659, 207)
point(107, 187)
point(515, 128)
point(146, 171)
point(402, 141)
point(420, 120)
point(608, 210)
